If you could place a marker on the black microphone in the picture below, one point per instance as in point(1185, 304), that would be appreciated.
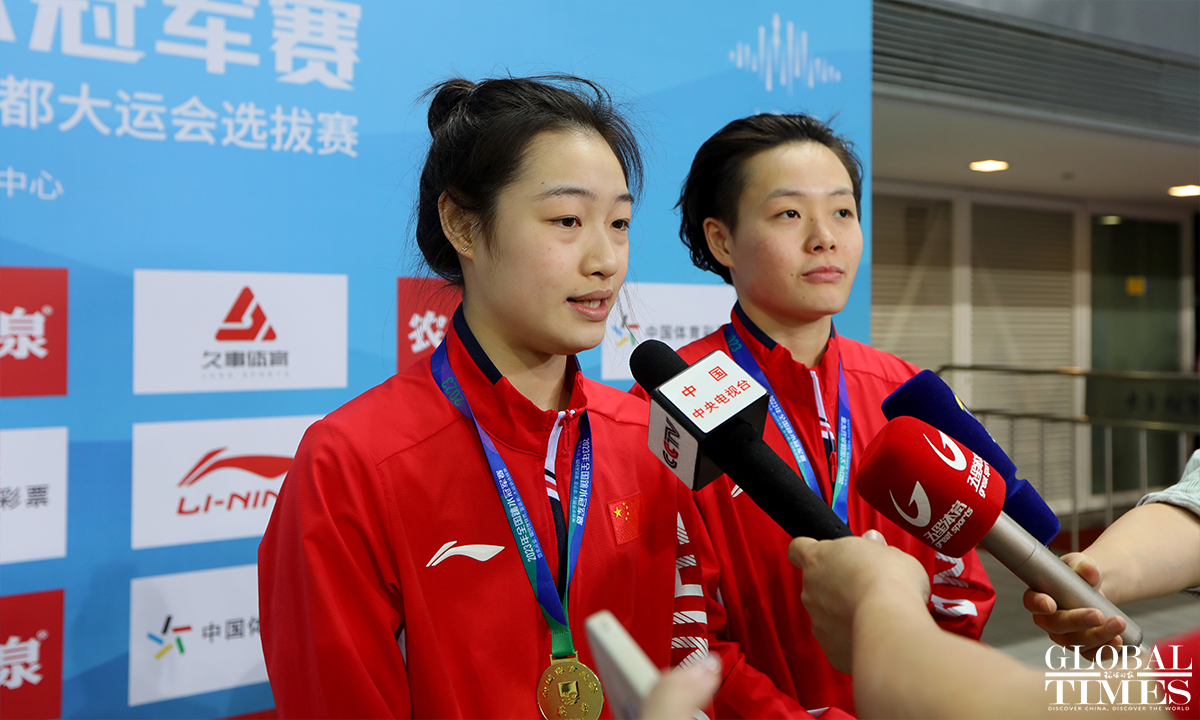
point(725, 433)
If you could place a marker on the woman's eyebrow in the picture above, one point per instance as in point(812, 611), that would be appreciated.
point(576, 191)
point(566, 191)
point(792, 192)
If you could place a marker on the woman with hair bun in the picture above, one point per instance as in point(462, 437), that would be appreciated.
point(772, 204)
point(439, 540)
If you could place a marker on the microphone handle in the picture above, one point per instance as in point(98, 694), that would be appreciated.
point(739, 450)
point(1045, 572)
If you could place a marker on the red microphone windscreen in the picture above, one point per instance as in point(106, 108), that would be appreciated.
point(938, 490)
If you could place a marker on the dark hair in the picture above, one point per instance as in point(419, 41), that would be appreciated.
point(715, 183)
point(480, 133)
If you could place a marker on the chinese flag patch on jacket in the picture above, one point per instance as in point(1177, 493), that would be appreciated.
point(626, 517)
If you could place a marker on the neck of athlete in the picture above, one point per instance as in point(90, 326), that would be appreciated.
point(540, 377)
point(806, 338)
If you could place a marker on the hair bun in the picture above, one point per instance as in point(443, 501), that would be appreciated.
point(447, 96)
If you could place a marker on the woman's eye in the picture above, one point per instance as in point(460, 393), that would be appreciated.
point(792, 214)
point(622, 224)
point(845, 213)
point(568, 222)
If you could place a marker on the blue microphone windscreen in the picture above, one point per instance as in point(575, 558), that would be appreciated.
point(1024, 505)
point(926, 397)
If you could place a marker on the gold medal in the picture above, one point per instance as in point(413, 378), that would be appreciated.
point(569, 689)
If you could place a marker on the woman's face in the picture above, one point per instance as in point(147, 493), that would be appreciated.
point(558, 249)
point(797, 244)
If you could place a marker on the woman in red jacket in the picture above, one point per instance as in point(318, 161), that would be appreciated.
point(772, 205)
point(440, 539)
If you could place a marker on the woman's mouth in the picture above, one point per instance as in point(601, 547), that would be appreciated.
point(593, 306)
point(824, 274)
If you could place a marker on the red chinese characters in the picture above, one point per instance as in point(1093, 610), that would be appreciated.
point(424, 308)
point(31, 655)
point(33, 331)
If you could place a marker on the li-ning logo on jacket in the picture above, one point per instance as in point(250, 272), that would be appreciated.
point(482, 553)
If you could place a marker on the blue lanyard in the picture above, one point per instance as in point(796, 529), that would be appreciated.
point(536, 568)
point(742, 356)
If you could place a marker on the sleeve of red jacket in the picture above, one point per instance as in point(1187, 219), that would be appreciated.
point(745, 692)
point(962, 595)
point(329, 599)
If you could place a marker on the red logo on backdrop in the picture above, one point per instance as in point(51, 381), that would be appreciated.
point(246, 320)
point(267, 467)
point(33, 331)
point(424, 308)
point(31, 655)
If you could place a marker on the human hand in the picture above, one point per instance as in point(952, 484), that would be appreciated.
point(684, 690)
point(840, 574)
point(1082, 626)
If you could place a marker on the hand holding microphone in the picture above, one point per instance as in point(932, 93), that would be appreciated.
point(946, 496)
point(841, 576)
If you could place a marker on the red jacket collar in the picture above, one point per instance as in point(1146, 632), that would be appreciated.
point(777, 361)
point(508, 416)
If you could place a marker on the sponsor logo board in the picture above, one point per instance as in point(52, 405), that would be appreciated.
point(33, 494)
point(424, 311)
point(205, 480)
point(675, 313)
point(205, 331)
point(31, 655)
point(33, 331)
point(194, 632)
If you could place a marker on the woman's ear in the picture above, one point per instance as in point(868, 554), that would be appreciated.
point(458, 225)
point(720, 240)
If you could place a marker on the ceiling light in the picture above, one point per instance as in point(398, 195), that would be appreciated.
point(1110, 219)
point(1185, 190)
point(989, 165)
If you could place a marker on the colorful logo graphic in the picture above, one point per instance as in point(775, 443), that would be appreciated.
point(626, 331)
point(171, 638)
point(194, 632)
point(33, 331)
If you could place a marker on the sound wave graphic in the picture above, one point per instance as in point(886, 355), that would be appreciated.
point(783, 60)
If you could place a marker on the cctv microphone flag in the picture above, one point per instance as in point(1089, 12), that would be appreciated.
point(690, 402)
point(938, 490)
point(926, 397)
point(723, 432)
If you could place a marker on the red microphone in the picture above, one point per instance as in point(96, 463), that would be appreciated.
point(949, 498)
point(925, 482)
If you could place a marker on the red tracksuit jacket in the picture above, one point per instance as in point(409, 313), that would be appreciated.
point(760, 589)
point(388, 578)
